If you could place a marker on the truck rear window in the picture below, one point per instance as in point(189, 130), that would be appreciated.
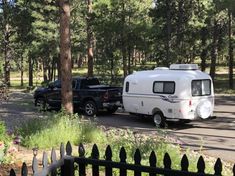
point(164, 87)
point(201, 87)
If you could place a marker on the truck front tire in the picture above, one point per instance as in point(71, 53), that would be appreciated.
point(159, 120)
point(90, 108)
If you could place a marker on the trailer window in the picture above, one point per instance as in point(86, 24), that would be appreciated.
point(201, 87)
point(164, 87)
point(127, 87)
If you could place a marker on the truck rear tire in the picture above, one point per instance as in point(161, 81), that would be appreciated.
point(41, 102)
point(90, 108)
point(159, 120)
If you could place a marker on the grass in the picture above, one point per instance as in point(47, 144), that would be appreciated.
point(53, 129)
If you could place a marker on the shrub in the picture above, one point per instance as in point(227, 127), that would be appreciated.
point(53, 129)
point(4, 142)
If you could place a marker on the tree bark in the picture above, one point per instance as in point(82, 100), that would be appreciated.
point(204, 49)
point(89, 40)
point(7, 66)
point(168, 55)
point(123, 40)
point(30, 65)
point(214, 50)
point(230, 50)
point(21, 71)
point(65, 57)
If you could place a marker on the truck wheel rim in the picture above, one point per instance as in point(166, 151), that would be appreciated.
point(157, 119)
point(89, 109)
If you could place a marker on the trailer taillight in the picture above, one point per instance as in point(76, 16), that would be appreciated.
point(190, 103)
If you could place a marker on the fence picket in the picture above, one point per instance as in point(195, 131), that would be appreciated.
point(167, 162)
point(122, 156)
point(201, 165)
point(218, 167)
point(62, 151)
point(82, 166)
point(12, 172)
point(152, 162)
point(53, 160)
point(234, 170)
point(108, 157)
point(24, 170)
point(68, 148)
point(68, 167)
point(44, 160)
point(35, 165)
point(95, 155)
point(184, 163)
point(137, 161)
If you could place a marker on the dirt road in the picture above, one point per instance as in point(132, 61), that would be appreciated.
point(215, 137)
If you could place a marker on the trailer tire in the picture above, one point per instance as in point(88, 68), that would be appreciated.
point(204, 109)
point(159, 120)
point(90, 108)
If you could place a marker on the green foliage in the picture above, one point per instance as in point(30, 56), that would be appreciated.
point(53, 129)
point(4, 142)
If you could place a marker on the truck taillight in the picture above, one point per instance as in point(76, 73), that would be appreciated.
point(106, 96)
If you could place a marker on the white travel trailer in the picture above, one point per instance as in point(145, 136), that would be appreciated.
point(181, 92)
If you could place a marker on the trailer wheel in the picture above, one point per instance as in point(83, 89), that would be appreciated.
point(159, 120)
point(90, 108)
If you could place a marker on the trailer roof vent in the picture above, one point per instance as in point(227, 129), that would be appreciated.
point(161, 68)
point(184, 67)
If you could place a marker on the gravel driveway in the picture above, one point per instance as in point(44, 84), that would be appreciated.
point(18, 109)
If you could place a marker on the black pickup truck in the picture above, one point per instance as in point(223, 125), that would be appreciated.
point(88, 95)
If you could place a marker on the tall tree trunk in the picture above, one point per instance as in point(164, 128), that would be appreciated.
point(214, 50)
point(30, 65)
point(168, 39)
point(6, 43)
point(204, 49)
point(123, 40)
point(230, 49)
point(89, 39)
point(180, 35)
point(65, 57)
point(21, 71)
point(58, 67)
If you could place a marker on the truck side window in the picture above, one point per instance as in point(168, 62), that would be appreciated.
point(201, 87)
point(127, 87)
point(164, 87)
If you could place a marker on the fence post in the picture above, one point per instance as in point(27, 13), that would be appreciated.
point(167, 163)
point(184, 163)
point(122, 156)
point(201, 165)
point(35, 165)
point(12, 172)
point(108, 157)
point(137, 159)
point(218, 167)
point(95, 155)
point(53, 160)
point(24, 170)
point(234, 170)
point(68, 167)
point(82, 166)
point(152, 162)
